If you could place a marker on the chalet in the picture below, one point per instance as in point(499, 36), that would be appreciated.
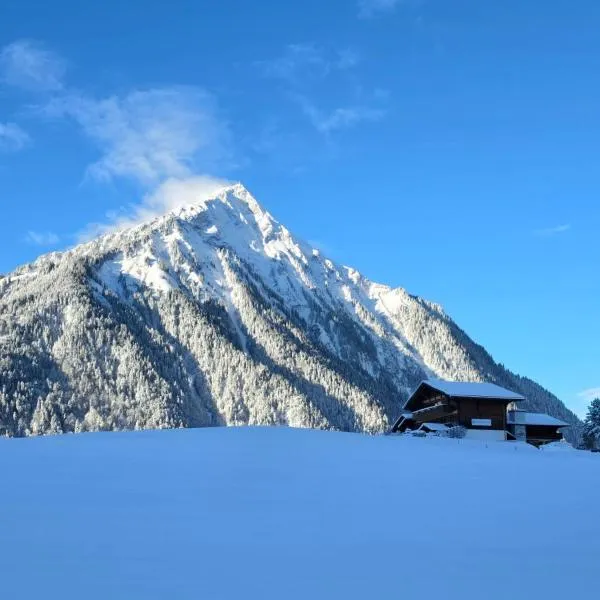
point(487, 411)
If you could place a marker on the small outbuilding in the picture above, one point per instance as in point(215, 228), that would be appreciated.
point(535, 428)
point(405, 422)
point(438, 428)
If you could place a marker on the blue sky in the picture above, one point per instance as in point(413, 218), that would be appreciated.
point(447, 146)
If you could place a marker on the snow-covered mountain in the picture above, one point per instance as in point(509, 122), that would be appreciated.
point(215, 314)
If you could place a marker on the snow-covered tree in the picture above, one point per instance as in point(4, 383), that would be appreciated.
point(591, 427)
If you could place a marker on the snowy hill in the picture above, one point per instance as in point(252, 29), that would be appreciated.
point(215, 314)
point(280, 513)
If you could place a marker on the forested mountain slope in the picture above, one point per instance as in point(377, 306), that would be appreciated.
point(214, 314)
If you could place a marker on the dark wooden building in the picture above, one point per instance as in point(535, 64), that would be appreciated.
point(535, 428)
point(481, 408)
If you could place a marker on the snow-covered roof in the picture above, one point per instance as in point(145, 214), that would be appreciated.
point(435, 426)
point(528, 418)
point(473, 390)
point(406, 415)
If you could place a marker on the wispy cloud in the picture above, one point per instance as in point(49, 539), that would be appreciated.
point(159, 137)
point(371, 8)
point(580, 403)
point(302, 62)
point(170, 195)
point(46, 238)
point(149, 135)
point(589, 394)
point(311, 75)
point(550, 231)
point(340, 118)
point(12, 137)
point(347, 58)
point(29, 65)
point(297, 62)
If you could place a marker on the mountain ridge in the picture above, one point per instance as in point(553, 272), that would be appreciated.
point(214, 313)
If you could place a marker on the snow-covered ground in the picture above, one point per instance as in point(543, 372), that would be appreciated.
point(283, 513)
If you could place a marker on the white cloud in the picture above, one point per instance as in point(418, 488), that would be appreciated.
point(301, 63)
point(170, 195)
point(580, 402)
point(308, 73)
point(297, 62)
point(340, 118)
point(549, 231)
point(27, 64)
point(12, 137)
point(370, 8)
point(176, 193)
point(347, 59)
point(159, 137)
point(589, 394)
point(149, 135)
point(46, 238)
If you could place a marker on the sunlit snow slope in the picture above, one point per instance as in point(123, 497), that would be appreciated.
point(280, 513)
point(215, 314)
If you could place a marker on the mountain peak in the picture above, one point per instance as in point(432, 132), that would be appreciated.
point(208, 311)
point(191, 197)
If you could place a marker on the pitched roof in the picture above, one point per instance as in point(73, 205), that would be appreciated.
point(405, 416)
point(527, 418)
point(472, 390)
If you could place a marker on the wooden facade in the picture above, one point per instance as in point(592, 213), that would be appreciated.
point(429, 404)
point(473, 412)
point(538, 435)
